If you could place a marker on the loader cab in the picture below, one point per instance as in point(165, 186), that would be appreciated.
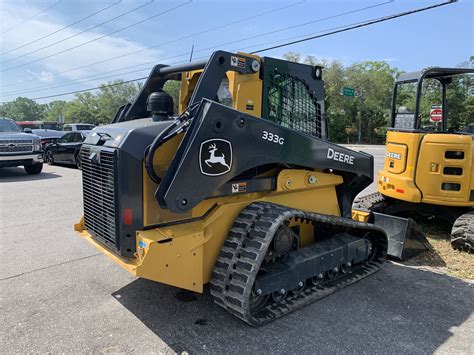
point(287, 93)
point(429, 151)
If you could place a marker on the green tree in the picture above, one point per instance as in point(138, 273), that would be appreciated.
point(172, 87)
point(111, 96)
point(22, 109)
point(83, 108)
point(292, 57)
point(54, 110)
point(373, 80)
point(102, 106)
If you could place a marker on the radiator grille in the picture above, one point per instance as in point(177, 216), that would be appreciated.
point(292, 105)
point(16, 146)
point(100, 205)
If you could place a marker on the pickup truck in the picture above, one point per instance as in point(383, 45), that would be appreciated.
point(19, 148)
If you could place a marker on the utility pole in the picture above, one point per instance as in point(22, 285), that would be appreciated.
point(361, 96)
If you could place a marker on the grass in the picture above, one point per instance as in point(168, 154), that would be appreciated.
point(441, 256)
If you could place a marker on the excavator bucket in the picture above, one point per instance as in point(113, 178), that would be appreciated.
point(405, 240)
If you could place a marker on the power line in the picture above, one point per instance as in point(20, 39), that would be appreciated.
point(63, 28)
point(72, 36)
point(104, 85)
point(346, 28)
point(98, 87)
point(169, 42)
point(372, 22)
point(30, 18)
point(212, 47)
point(216, 28)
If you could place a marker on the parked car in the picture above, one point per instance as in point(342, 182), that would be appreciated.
point(78, 127)
point(66, 149)
point(47, 136)
point(18, 148)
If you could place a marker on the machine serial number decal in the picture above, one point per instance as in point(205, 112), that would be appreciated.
point(394, 155)
point(274, 138)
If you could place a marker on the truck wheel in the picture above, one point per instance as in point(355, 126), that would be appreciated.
point(34, 169)
point(462, 234)
point(78, 162)
point(48, 156)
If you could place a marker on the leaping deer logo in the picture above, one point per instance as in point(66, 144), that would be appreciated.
point(213, 159)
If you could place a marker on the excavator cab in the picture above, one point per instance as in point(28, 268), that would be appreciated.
point(429, 167)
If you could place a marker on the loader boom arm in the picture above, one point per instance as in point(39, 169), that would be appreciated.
point(253, 142)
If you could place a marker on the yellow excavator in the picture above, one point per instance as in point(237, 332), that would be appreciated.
point(429, 161)
point(239, 188)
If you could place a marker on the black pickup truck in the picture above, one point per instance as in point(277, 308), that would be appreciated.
point(19, 148)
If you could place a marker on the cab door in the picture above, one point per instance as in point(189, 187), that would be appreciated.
point(59, 149)
point(72, 146)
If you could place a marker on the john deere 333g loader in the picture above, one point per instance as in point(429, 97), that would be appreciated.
point(239, 189)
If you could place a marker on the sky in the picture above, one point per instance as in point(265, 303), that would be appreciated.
point(115, 39)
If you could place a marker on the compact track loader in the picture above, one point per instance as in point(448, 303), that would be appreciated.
point(239, 189)
point(429, 165)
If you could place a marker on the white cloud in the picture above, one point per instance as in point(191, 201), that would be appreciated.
point(43, 76)
point(102, 49)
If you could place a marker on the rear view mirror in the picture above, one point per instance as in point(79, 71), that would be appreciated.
point(27, 130)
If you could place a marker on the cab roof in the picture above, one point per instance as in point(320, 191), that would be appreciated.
point(432, 72)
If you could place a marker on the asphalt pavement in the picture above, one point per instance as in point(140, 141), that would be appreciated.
point(59, 295)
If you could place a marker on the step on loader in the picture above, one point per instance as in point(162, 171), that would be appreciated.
point(235, 186)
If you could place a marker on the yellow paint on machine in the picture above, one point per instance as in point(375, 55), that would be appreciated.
point(183, 255)
point(428, 168)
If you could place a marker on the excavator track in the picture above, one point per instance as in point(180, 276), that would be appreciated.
point(245, 251)
point(462, 233)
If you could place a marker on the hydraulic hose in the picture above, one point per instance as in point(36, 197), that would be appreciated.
point(157, 142)
point(163, 137)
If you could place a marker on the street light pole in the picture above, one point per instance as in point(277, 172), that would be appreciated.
point(360, 96)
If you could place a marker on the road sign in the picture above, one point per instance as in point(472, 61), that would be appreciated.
point(348, 92)
point(436, 113)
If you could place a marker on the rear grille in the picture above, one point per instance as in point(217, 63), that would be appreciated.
point(98, 183)
point(16, 146)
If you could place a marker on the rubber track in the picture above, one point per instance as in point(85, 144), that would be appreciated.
point(368, 202)
point(246, 246)
point(462, 233)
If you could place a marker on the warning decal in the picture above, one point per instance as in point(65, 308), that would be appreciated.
point(237, 62)
point(239, 187)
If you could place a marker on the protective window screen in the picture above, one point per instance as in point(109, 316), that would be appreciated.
point(291, 104)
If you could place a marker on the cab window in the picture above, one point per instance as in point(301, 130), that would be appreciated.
point(67, 138)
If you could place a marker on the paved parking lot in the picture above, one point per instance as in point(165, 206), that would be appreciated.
point(57, 294)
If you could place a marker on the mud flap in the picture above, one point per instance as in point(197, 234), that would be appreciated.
point(405, 240)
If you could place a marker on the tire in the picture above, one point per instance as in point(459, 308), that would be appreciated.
point(48, 157)
point(78, 161)
point(34, 169)
point(462, 233)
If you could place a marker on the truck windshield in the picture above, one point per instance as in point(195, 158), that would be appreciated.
point(9, 126)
